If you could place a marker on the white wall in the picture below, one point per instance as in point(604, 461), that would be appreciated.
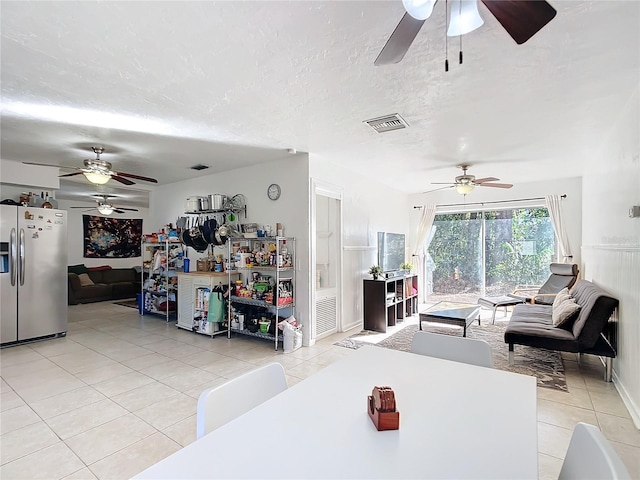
point(31, 177)
point(611, 240)
point(166, 204)
point(76, 236)
point(572, 205)
point(368, 208)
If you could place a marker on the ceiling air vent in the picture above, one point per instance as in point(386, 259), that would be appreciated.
point(199, 166)
point(387, 123)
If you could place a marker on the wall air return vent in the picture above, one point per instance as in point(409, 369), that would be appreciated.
point(199, 166)
point(387, 123)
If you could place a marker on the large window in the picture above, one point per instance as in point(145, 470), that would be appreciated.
point(474, 254)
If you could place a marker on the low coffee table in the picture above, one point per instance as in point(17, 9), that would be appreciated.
point(452, 313)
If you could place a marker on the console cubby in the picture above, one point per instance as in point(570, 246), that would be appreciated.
point(388, 301)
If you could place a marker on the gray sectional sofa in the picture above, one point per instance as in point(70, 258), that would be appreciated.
point(531, 325)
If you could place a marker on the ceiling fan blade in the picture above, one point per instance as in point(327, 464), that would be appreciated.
point(495, 185)
point(117, 210)
point(443, 183)
point(70, 174)
point(120, 179)
point(522, 19)
point(399, 41)
point(487, 179)
point(129, 209)
point(137, 177)
point(50, 165)
point(441, 188)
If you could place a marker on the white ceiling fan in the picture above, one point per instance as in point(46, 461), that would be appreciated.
point(465, 183)
point(105, 207)
point(98, 171)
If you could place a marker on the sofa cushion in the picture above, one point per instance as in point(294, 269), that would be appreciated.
point(85, 280)
point(77, 269)
point(596, 308)
point(119, 275)
point(93, 293)
point(532, 325)
point(99, 269)
point(564, 313)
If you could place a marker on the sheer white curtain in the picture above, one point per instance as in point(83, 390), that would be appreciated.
point(554, 205)
point(426, 222)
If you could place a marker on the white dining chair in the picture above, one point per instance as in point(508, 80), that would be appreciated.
point(449, 347)
point(221, 404)
point(591, 456)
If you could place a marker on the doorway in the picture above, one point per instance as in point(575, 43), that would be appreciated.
point(326, 263)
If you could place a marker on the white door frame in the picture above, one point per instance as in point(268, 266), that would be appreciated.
point(320, 187)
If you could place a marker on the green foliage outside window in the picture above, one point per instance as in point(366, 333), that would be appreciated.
point(519, 245)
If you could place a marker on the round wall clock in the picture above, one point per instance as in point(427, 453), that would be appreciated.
point(274, 191)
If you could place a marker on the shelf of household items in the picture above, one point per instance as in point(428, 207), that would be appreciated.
point(194, 302)
point(162, 256)
point(263, 295)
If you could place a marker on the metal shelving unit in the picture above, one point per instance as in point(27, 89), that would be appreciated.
point(159, 278)
point(274, 261)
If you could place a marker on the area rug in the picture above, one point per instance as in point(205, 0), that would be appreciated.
point(545, 365)
point(127, 303)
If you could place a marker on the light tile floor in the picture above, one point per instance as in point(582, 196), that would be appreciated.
point(119, 393)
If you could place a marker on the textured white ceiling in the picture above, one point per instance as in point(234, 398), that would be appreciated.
point(166, 85)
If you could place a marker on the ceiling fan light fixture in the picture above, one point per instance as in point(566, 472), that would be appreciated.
point(97, 178)
point(464, 17)
point(464, 188)
point(105, 209)
point(419, 9)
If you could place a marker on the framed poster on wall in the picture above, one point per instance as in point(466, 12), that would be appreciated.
point(106, 237)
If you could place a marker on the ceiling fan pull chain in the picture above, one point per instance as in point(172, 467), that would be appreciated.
point(460, 58)
point(446, 42)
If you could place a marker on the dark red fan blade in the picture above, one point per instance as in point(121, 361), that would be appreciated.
point(399, 41)
point(522, 19)
point(137, 177)
point(70, 174)
point(120, 179)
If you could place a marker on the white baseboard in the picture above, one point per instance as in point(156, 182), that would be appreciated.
point(633, 409)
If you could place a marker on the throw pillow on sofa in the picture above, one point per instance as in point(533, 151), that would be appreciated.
point(565, 313)
point(85, 280)
point(77, 269)
point(560, 297)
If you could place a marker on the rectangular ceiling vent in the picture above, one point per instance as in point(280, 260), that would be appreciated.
point(199, 166)
point(387, 123)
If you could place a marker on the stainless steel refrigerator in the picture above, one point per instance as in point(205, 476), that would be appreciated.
point(33, 273)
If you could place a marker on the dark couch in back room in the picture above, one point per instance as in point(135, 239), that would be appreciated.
point(97, 284)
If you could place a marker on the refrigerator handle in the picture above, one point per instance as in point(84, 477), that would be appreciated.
point(13, 256)
point(21, 265)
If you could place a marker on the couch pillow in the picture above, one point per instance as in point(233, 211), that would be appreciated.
point(100, 268)
point(561, 296)
point(77, 269)
point(85, 281)
point(565, 313)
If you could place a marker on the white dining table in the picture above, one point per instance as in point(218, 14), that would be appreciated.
point(456, 421)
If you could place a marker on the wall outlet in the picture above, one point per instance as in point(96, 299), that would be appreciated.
point(634, 211)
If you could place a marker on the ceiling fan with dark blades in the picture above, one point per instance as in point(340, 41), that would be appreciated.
point(465, 183)
point(105, 207)
point(522, 19)
point(98, 171)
